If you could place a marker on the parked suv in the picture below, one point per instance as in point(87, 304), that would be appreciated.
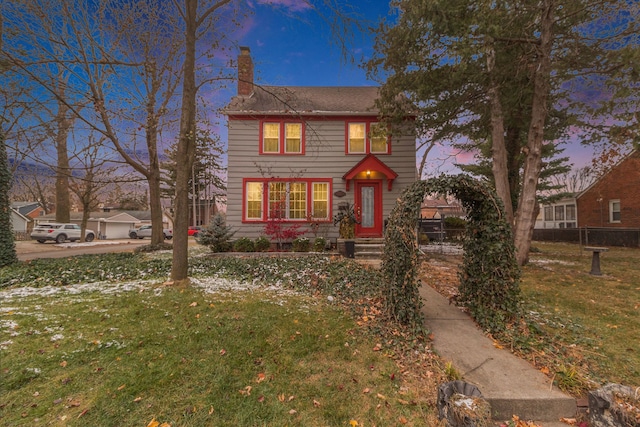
point(60, 233)
point(145, 231)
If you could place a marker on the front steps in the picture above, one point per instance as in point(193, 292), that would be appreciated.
point(365, 248)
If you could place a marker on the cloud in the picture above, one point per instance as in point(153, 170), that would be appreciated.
point(291, 5)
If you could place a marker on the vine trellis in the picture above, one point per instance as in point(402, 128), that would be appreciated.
point(489, 276)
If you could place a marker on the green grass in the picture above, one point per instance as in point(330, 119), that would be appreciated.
point(125, 351)
point(584, 328)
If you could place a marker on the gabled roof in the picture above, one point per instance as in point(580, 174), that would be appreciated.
point(17, 213)
point(25, 208)
point(633, 153)
point(371, 163)
point(306, 100)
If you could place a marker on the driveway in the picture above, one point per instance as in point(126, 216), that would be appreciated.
point(30, 249)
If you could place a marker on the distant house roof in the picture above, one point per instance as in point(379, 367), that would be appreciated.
point(117, 216)
point(306, 100)
point(25, 208)
point(633, 153)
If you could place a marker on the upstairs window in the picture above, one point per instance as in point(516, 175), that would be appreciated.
point(367, 137)
point(357, 132)
point(279, 137)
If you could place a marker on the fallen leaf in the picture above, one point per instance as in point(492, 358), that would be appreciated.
point(544, 370)
point(261, 377)
point(36, 394)
point(570, 421)
point(498, 346)
point(403, 402)
point(121, 387)
point(381, 396)
point(74, 403)
point(366, 390)
point(246, 391)
point(316, 403)
point(378, 347)
point(290, 398)
point(211, 410)
point(153, 423)
point(63, 363)
point(137, 399)
point(261, 399)
point(83, 413)
point(223, 352)
point(193, 304)
point(353, 423)
point(402, 420)
point(281, 398)
point(293, 412)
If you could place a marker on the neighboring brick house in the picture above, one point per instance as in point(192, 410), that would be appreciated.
point(614, 199)
point(298, 153)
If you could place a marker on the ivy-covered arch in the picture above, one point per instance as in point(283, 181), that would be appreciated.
point(489, 277)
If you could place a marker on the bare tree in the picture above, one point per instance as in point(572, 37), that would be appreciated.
point(95, 172)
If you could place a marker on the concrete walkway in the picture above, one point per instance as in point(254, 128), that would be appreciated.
point(511, 385)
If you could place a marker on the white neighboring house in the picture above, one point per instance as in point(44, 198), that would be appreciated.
point(19, 222)
point(560, 214)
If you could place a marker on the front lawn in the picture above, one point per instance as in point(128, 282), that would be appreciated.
point(100, 340)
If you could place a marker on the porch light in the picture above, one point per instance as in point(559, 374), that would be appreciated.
point(368, 173)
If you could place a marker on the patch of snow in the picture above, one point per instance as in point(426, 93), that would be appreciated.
point(545, 261)
point(86, 244)
point(56, 337)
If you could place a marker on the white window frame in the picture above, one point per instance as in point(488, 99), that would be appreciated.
point(612, 204)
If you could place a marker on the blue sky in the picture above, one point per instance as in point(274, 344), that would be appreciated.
point(292, 46)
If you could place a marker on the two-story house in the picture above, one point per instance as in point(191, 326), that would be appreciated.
point(296, 154)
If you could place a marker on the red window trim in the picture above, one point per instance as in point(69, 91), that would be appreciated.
point(281, 147)
point(367, 140)
point(265, 199)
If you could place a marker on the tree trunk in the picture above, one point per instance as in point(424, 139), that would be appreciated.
point(63, 123)
point(498, 148)
point(525, 215)
point(186, 148)
point(153, 175)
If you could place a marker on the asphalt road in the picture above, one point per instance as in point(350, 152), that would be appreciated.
point(31, 249)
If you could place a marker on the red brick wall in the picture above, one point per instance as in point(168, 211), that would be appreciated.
point(245, 72)
point(621, 183)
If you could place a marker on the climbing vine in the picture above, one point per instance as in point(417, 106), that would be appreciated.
point(489, 277)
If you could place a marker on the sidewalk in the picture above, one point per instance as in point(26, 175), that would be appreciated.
point(511, 385)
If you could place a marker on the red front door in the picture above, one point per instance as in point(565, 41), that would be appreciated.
point(368, 208)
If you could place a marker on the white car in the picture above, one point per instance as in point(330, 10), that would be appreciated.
point(60, 233)
point(145, 231)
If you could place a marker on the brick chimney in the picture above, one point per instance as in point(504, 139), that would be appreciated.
point(245, 72)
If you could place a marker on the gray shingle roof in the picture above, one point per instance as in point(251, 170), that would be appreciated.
point(315, 100)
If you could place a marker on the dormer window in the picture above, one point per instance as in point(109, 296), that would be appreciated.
point(280, 137)
point(367, 137)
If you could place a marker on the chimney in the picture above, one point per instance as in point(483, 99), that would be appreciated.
point(245, 72)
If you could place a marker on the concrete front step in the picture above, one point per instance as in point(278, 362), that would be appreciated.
point(369, 248)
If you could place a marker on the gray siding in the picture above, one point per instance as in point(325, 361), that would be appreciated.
point(324, 158)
